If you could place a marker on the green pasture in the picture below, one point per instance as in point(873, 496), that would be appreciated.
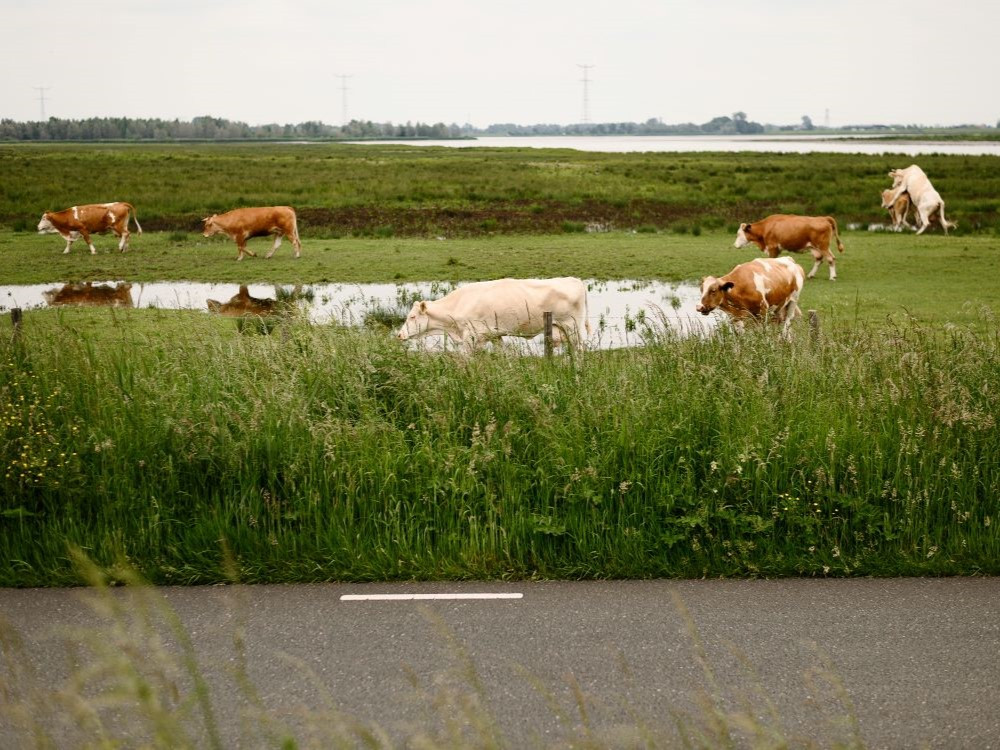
point(194, 449)
point(344, 190)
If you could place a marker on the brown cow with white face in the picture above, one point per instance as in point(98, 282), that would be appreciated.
point(94, 218)
point(763, 289)
point(242, 224)
point(796, 234)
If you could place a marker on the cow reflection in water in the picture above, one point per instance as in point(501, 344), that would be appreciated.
point(243, 304)
point(88, 295)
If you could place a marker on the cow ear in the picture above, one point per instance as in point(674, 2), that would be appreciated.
point(727, 286)
point(423, 306)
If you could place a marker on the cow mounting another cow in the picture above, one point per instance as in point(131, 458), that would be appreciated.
point(926, 200)
point(796, 234)
point(242, 224)
point(93, 218)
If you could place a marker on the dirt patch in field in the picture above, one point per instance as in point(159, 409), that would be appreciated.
point(514, 217)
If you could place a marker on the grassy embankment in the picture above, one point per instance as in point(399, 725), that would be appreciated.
point(320, 453)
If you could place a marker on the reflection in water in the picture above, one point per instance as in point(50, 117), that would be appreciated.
point(622, 313)
point(243, 304)
point(88, 295)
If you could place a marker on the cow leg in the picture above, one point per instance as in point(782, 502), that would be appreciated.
point(832, 262)
point(70, 239)
point(277, 244)
point(297, 244)
point(86, 238)
point(925, 220)
point(944, 222)
point(817, 262)
point(123, 240)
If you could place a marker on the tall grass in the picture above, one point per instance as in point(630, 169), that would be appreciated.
point(319, 453)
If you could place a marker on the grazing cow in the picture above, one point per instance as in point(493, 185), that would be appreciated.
point(925, 198)
point(243, 304)
point(488, 310)
point(95, 218)
point(88, 295)
point(898, 210)
point(765, 288)
point(794, 233)
point(241, 224)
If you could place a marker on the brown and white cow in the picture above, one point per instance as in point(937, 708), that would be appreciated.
point(898, 209)
point(763, 289)
point(796, 234)
point(242, 304)
point(926, 200)
point(242, 224)
point(94, 218)
point(88, 295)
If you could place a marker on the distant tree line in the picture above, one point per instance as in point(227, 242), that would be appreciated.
point(220, 129)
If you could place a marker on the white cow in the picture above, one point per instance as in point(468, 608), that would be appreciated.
point(485, 311)
point(924, 197)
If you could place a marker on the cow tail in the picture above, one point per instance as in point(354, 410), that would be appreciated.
point(134, 218)
point(836, 232)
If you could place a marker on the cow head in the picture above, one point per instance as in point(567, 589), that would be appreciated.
point(417, 323)
point(210, 226)
point(741, 236)
point(45, 226)
point(713, 292)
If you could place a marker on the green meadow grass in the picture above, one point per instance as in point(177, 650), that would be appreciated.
point(320, 453)
point(385, 191)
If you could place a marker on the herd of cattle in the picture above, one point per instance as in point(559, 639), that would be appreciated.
point(762, 289)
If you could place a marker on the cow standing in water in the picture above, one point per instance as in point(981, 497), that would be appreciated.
point(763, 289)
point(486, 311)
point(242, 224)
point(796, 234)
point(94, 218)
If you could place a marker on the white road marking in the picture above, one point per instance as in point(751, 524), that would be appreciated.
point(407, 597)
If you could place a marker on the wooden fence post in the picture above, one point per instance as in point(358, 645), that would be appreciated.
point(15, 319)
point(547, 327)
point(813, 325)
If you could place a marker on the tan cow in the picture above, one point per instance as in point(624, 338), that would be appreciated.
point(94, 218)
point(242, 224)
point(243, 304)
point(898, 209)
point(88, 295)
point(763, 289)
point(926, 200)
point(485, 311)
point(796, 234)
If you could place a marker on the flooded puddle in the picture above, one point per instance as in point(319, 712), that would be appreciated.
point(621, 312)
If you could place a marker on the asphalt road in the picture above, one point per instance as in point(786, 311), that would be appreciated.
point(902, 663)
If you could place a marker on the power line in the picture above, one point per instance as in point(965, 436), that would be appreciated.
point(343, 97)
point(41, 98)
point(586, 91)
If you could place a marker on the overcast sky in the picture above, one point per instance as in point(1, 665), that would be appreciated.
point(890, 61)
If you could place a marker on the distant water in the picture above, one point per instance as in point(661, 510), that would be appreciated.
point(795, 144)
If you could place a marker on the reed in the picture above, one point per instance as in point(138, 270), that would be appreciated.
point(322, 453)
